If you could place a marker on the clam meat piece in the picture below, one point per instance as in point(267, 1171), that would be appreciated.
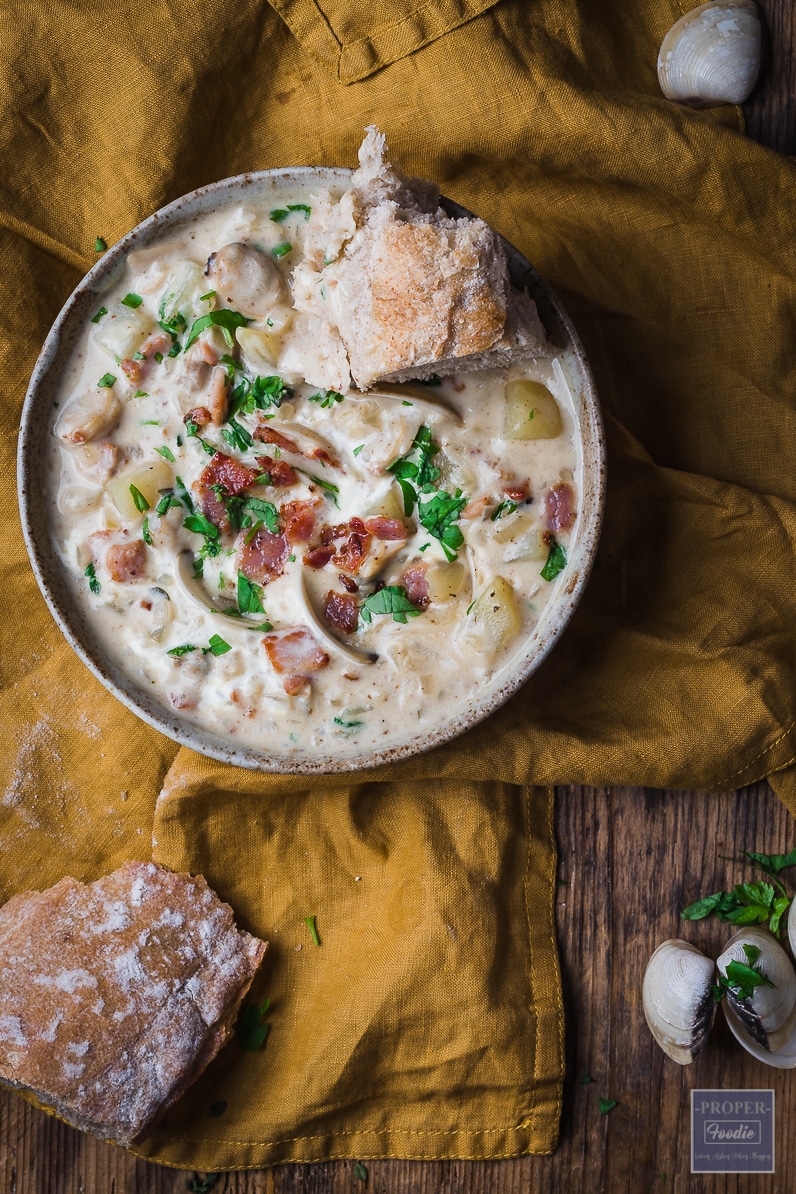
point(415, 395)
point(769, 1016)
point(712, 55)
point(245, 279)
point(88, 415)
point(678, 1001)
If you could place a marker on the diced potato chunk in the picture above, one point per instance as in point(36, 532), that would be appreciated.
point(260, 349)
point(148, 480)
point(531, 411)
point(445, 580)
point(123, 331)
point(523, 539)
point(390, 505)
point(494, 619)
point(453, 474)
point(184, 288)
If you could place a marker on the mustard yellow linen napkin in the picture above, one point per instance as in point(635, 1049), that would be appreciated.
point(428, 1022)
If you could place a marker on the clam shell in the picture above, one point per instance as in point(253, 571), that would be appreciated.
point(769, 1016)
point(678, 1002)
point(712, 55)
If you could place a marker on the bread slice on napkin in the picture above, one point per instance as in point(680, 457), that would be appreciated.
point(407, 289)
point(115, 995)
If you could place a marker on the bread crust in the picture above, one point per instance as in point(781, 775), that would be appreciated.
point(114, 996)
point(403, 287)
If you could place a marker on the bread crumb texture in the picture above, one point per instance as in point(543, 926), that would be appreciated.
point(115, 995)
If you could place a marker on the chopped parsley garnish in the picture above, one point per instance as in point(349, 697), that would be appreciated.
point(93, 583)
point(281, 213)
point(102, 311)
point(132, 300)
point(138, 356)
point(183, 650)
point(259, 394)
point(407, 403)
point(606, 1105)
point(251, 1028)
point(179, 441)
point(418, 475)
point(741, 980)
point(309, 921)
point(746, 904)
point(327, 398)
point(166, 453)
point(250, 596)
point(202, 1185)
point(347, 725)
point(175, 350)
point(203, 298)
point(505, 507)
point(139, 501)
point(556, 561)
point(183, 494)
point(439, 517)
point(226, 320)
point(392, 599)
point(530, 416)
point(361, 1172)
point(358, 449)
point(265, 511)
point(201, 526)
point(166, 502)
point(217, 646)
point(586, 1079)
point(141, 394)
point(159, 357)
point(174, 326)
point(99, 245)
point(282, 250)
point(236, 435)
point(146, 534)
point(106, 381)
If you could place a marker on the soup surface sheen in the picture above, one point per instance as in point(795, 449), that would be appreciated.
point(299, 571)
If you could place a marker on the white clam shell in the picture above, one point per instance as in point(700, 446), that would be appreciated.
point(712, 55)
point(678, 1002)
point(769, 1016)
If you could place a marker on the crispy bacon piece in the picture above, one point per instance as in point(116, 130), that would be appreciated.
point(475, 509)
point(207, 351)
point(269, 435)
point(263, 559)
point(350, 556)
point(318, 557)
point(232, 476)
point(298, 519)
point(517, 491)
point(348, 583)
point(559, 504)
point(295, 655)
point(386, 528)
point(135, 370)
point(126, 561)
point(322, 455)
point(280, 474)
point(415, 581)
point(131, 369)
point(199, 415)
point(341, 611)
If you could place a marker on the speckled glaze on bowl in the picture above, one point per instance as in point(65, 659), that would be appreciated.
point(33, 484)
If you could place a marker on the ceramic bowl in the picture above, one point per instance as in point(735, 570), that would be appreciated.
point(36, 509)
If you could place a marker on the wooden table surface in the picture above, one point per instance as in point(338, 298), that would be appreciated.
point(629, 860)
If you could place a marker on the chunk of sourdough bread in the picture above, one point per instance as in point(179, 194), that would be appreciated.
point(407, 290)
point(115, 995)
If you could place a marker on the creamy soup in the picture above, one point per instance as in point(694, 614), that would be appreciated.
point(298, 570)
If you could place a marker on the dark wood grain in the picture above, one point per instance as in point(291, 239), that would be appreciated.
point(629, 861)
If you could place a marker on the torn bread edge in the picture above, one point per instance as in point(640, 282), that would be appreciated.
point(398, 289)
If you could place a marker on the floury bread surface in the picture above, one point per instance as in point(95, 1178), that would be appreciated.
point(114, 996)
point(409, 290)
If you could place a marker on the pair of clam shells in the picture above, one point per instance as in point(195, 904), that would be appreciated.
point(712, 55)
point(680, 1008)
